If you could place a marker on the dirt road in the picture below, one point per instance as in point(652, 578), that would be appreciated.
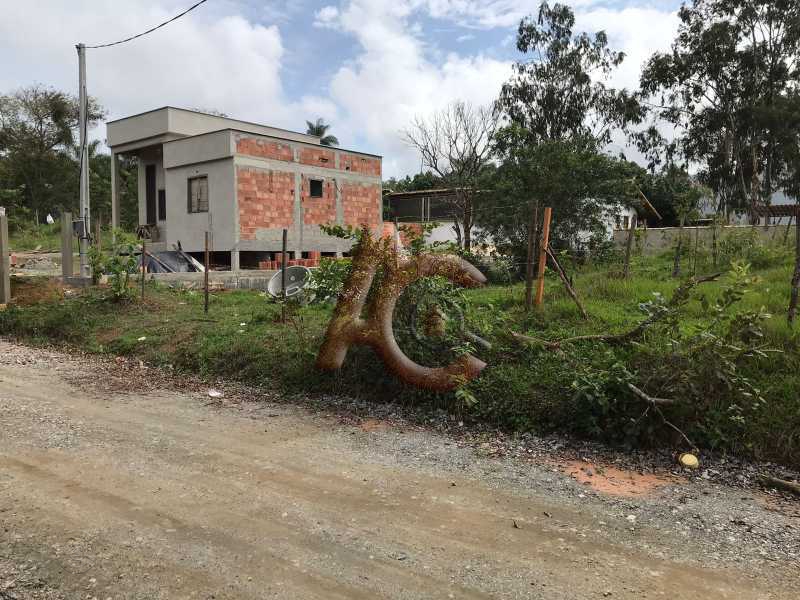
point(112, 494)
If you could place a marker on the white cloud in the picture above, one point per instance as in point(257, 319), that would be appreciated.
point(396, 77)
point(219, 57)
point(639, 32)
point(485, 14)
point(213, 60)
point(326, 16)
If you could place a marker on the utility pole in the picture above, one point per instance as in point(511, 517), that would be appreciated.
point(84, 161)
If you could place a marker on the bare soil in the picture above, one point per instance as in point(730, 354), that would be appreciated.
point(150, 491)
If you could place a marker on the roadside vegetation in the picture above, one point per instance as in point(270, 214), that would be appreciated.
point(729, 375)
point(679, 350)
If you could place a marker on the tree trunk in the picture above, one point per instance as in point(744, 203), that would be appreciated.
point(714, 249)
point(533, 234)
point(788, 229)
point(676, 267)
point(457, 229)
point(796, 276)
point(467, 224)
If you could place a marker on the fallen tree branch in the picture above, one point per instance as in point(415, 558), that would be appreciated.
point(781, 484)
point(678, 297)
point(655, 403)
point(650, 399)
point(566, 283)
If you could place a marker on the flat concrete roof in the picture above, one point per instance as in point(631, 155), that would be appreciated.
point(180, 122)
point(190, 137)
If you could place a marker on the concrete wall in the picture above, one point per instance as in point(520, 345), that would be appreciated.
point(657, 240)
point(189, 122)
point(221, 218)
point(139, 127)
point(198, 149)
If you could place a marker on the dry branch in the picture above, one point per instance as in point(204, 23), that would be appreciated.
point(650, 399)
point(565, 281)
point(780, 484)
point(678, 297)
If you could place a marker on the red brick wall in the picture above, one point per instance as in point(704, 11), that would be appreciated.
point(264, 148)
point(318, 211)
point(361, 204)
point(318, 157)
point(360, 164)
point(266, 200)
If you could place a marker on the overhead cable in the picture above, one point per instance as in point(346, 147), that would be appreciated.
point(152, 29)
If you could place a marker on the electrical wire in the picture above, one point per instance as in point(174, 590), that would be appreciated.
point(151, 30)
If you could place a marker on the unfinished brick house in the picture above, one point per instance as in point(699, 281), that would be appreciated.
point(244, 183)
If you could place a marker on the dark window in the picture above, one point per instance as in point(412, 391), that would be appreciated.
point(316, 188)
point(150, 194)
point(162, 205)
point(198, 194)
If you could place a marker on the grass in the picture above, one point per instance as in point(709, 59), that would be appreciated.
point(524, 388)
point(47, 238)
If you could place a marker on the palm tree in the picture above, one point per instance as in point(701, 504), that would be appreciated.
point(320, 129)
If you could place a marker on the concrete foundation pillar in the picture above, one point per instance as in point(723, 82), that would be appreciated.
point(5, 260)
point(67, 264)
point(235, 264)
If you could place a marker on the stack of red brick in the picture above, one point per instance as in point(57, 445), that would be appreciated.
point(274, 265)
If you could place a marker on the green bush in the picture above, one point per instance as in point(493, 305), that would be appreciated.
point(328, 279)
point(699, 369)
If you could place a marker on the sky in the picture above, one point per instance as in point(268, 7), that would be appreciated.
point(366, 66)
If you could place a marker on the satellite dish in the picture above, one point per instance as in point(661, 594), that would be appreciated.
point(296, 279)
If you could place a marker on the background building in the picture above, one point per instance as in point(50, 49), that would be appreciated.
point(244, 183)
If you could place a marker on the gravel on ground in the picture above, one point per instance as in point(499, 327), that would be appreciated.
point(122, 481)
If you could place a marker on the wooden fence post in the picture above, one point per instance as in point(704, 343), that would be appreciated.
point(629, 246)
point(207, 261)
point(548, 212)
point(283, 276)
point(532, 231)
point(5, 261)
point(144, 265)
point(67, 262)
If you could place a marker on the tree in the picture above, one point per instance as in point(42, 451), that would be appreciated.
point(561, 92)
point(320, 129)
point(456, 144)
point(719, 87)
point(38, 128)
point(584, 187)
point(789, 145)
point(560, 112)
point(421, 181)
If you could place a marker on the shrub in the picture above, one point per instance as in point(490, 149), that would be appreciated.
point(699, 370)
point(328, 279)
point(498, 270)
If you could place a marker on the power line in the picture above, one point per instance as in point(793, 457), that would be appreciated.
point(138, 35)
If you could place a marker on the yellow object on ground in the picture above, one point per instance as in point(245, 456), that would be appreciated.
point(689, 460)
